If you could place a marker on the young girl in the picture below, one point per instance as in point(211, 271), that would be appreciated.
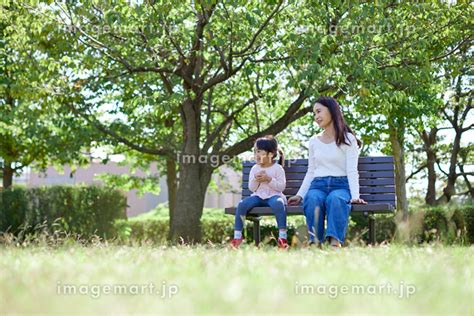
point(267, 181)
point(331, 183)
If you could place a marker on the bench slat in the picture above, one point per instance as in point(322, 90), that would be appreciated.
point(379, 197)
point(292, 169)
point(371, 182)
point(376, 182)
point(367, 197)
point(298, 210)
point(362, 189)
point(362, 175)
point(295, 162)
point(297, 185)
point(376, 167)
point(376, 189)
point(376, 159)
point(361, 167)
point(376, 174)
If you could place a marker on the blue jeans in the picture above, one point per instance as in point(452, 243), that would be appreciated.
point(275, 202)
point(327, 197)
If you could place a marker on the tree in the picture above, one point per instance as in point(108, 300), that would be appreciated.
point(457, 103)
point(34, 130)
point(404, 94)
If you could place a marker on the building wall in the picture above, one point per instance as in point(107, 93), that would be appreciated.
point(228, 181)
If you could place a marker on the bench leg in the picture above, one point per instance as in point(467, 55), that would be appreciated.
point(372, 228)
point(256, 229)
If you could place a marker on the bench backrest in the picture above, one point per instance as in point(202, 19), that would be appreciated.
point(376, 178)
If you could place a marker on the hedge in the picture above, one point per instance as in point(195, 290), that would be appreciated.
point(447, 224)
point(83, 210)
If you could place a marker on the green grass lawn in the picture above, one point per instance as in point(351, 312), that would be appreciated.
point(429, 279)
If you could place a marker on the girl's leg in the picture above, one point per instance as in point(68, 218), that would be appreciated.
point(279, 209)
point(338, 208)
point(242, 209)
point(314, 211)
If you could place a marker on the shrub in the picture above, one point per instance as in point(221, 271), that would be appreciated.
point(446, 224)
point(83, 210)
point(467, 212)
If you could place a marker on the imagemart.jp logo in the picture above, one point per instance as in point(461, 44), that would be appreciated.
point(401, 290)
point(164, 290)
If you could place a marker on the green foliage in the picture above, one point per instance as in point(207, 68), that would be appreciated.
point(148, 184)
point(134, 231)
point(154, 226)
point(467, 212)
point(83, 210)
point(447, 225)
point(35, 126)
point(358, 229)
point(442, 224)
point(378, 56)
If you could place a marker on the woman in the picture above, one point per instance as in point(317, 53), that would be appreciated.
point(331, 183)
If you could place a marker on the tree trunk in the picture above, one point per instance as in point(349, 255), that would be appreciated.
point(450, 189)
point(7, 175)
point(400, 177)
point(186, 221)
point(172, 184)
point(429, 140)
point(194, 178)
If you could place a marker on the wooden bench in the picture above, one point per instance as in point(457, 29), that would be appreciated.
point(377, 187)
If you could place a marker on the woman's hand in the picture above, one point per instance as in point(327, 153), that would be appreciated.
point(358, 201)
point(294, 200)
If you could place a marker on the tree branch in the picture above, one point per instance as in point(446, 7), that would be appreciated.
point(414, 63)
point(94, 122)
point(468, 128)
point(422, 167)
point(168, 32)
point(466, 179)
point(440, 169)
point(260, 30)
point(225, 123)
point(290, 115)
point(202, 21)
point(266, 60)
point(110, 52)
point(223, 76)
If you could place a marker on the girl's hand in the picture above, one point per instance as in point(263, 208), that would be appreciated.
point(358, 201)
point(262, 177)
point(294, 200)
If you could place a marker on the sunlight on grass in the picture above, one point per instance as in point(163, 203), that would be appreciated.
point(221, 280)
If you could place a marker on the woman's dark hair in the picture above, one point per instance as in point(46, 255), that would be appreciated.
point(340, 126)
point(270, 144)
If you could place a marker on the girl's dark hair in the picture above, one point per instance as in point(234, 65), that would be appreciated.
point(270, 144)
point(340, 125)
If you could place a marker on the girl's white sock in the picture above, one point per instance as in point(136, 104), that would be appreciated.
point(237, 234)
point(282, 234)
